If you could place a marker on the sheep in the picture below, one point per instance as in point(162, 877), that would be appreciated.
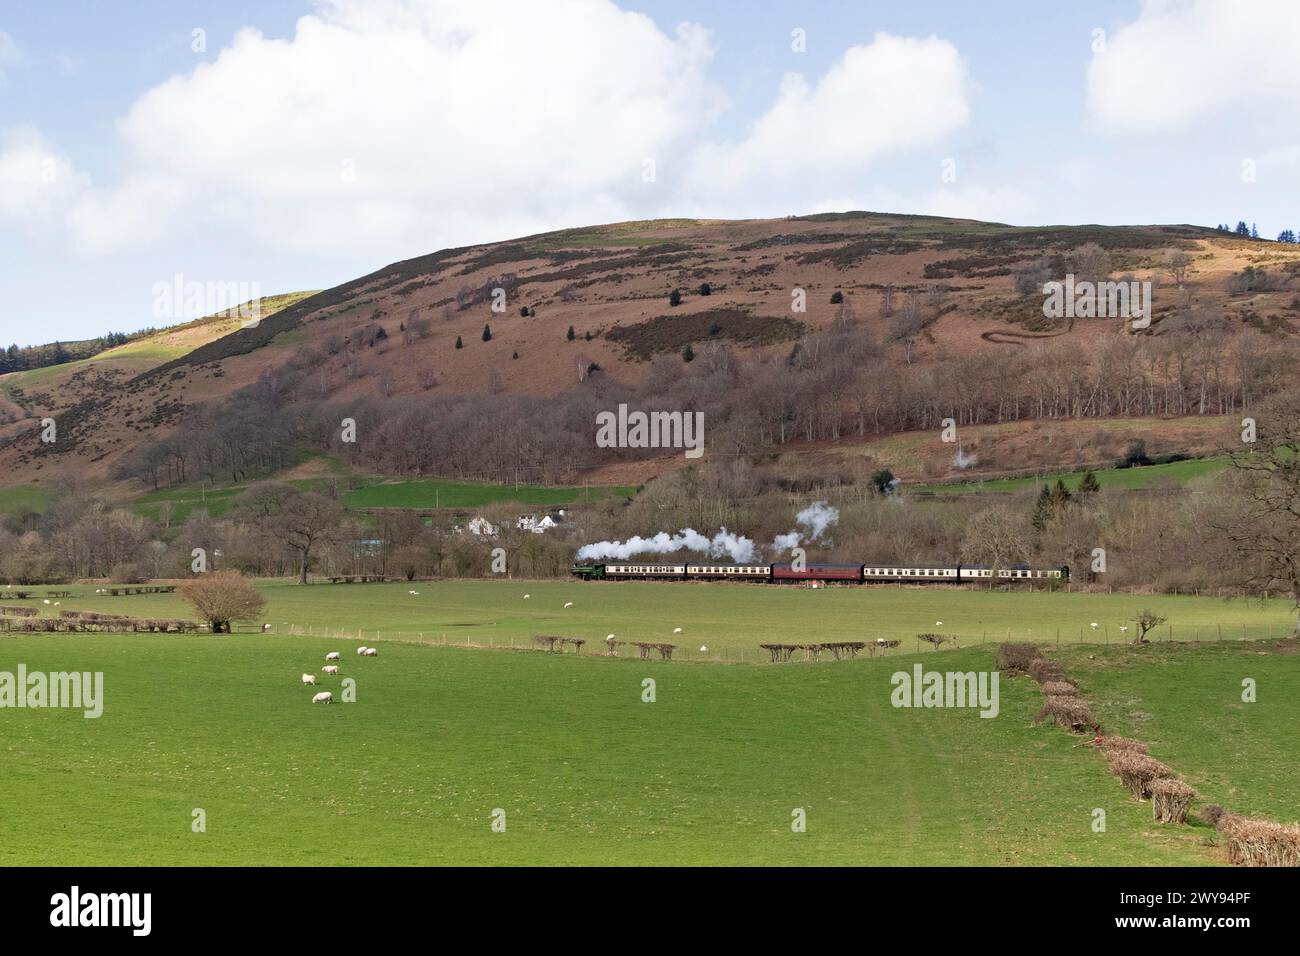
point(370, 652)
point(527, 596)
point(1094, 625)
point(568, 604)
point(333, 656)
point(324, 697)
point(609, 637)
point(677, 630)
point(938, 623)
point(265, 628)
point(329, 669)
point(361, 649)
point(704, 649)
point(416, 593)
point(309, 678)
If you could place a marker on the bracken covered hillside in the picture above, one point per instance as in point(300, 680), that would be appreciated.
point(928, 317)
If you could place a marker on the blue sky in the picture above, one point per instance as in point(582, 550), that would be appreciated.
point(314, 150)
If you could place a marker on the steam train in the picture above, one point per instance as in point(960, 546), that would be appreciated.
point(840, 573)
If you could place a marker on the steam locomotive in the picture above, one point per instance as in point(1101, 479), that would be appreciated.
point(841, 573)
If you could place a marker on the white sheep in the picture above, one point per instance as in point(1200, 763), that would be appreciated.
point(361, 649)
point(677, 630)
point(704, 649)
point(413, 592)
point(1094, 625)
point(329, 669)
point(265, 628)
point(324, 697)
point(309, 678)
point(370, 652)
point(609, 637)
point(938, 623)
point(333, 656)
point(527, 596)
point(568, 604)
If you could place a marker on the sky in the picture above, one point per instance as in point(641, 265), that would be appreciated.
point(281, 145)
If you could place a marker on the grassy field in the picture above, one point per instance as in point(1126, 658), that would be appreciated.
point(380, 493)
point(1148, 476)
point(19, 498)
point(437, 492)
point(731, 620)
point(586, 772)
point(710, 772)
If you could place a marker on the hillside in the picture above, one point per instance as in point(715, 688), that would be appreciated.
point(393, 333)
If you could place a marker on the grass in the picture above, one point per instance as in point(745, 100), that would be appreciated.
point(1187, 706)
point(1148, 476)
point(728, 619)
point(21, 498)
point(438, 492)
point(381, 493)
point(586, 772)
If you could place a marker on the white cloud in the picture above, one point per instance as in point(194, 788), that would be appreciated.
point(36, 183)
point(1183, 61)
point(891, 95)
point(388, 122)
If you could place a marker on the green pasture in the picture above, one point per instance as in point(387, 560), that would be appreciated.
point(1129, 479)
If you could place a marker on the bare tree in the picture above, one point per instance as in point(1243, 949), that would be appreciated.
point(1177, 263)
point(1146, 621)
point(301, 520)
point(221, 597)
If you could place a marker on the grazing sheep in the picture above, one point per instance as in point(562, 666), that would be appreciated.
point(609, 637)
point(333, 656)
point(938, 623)
point(309, 678)
point(361, 649)
point(568, 604)
point(265, 628)
point(329, 669)
point(47, 600)
point(527, 596)
point(1094, 625)
point(324, 697)
point(677, 630)
point(370, 652)
point(413, 592)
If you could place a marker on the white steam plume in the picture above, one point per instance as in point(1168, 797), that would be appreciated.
point(813, 520)
point(739, 549)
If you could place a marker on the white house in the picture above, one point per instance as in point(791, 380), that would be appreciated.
point(481, 526)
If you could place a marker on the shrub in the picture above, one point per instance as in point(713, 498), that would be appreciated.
point(459, 343)
point(1044, 670)
point(706, 289)
point(1261, 842)
point(837, 298)
point(221, 597)
point(688, 353)
point(1015, 658)
point(1137, 771)
point(1125, 744)
point(1170, 799)
point(935, 639)
point(1214, 815)
point(487, 333)
point(570, 335)
point(675, 298)
point(1060, 688)
point(1068, 712)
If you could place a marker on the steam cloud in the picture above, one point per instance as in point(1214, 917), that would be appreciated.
point(814, 520)
point(739, 549)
